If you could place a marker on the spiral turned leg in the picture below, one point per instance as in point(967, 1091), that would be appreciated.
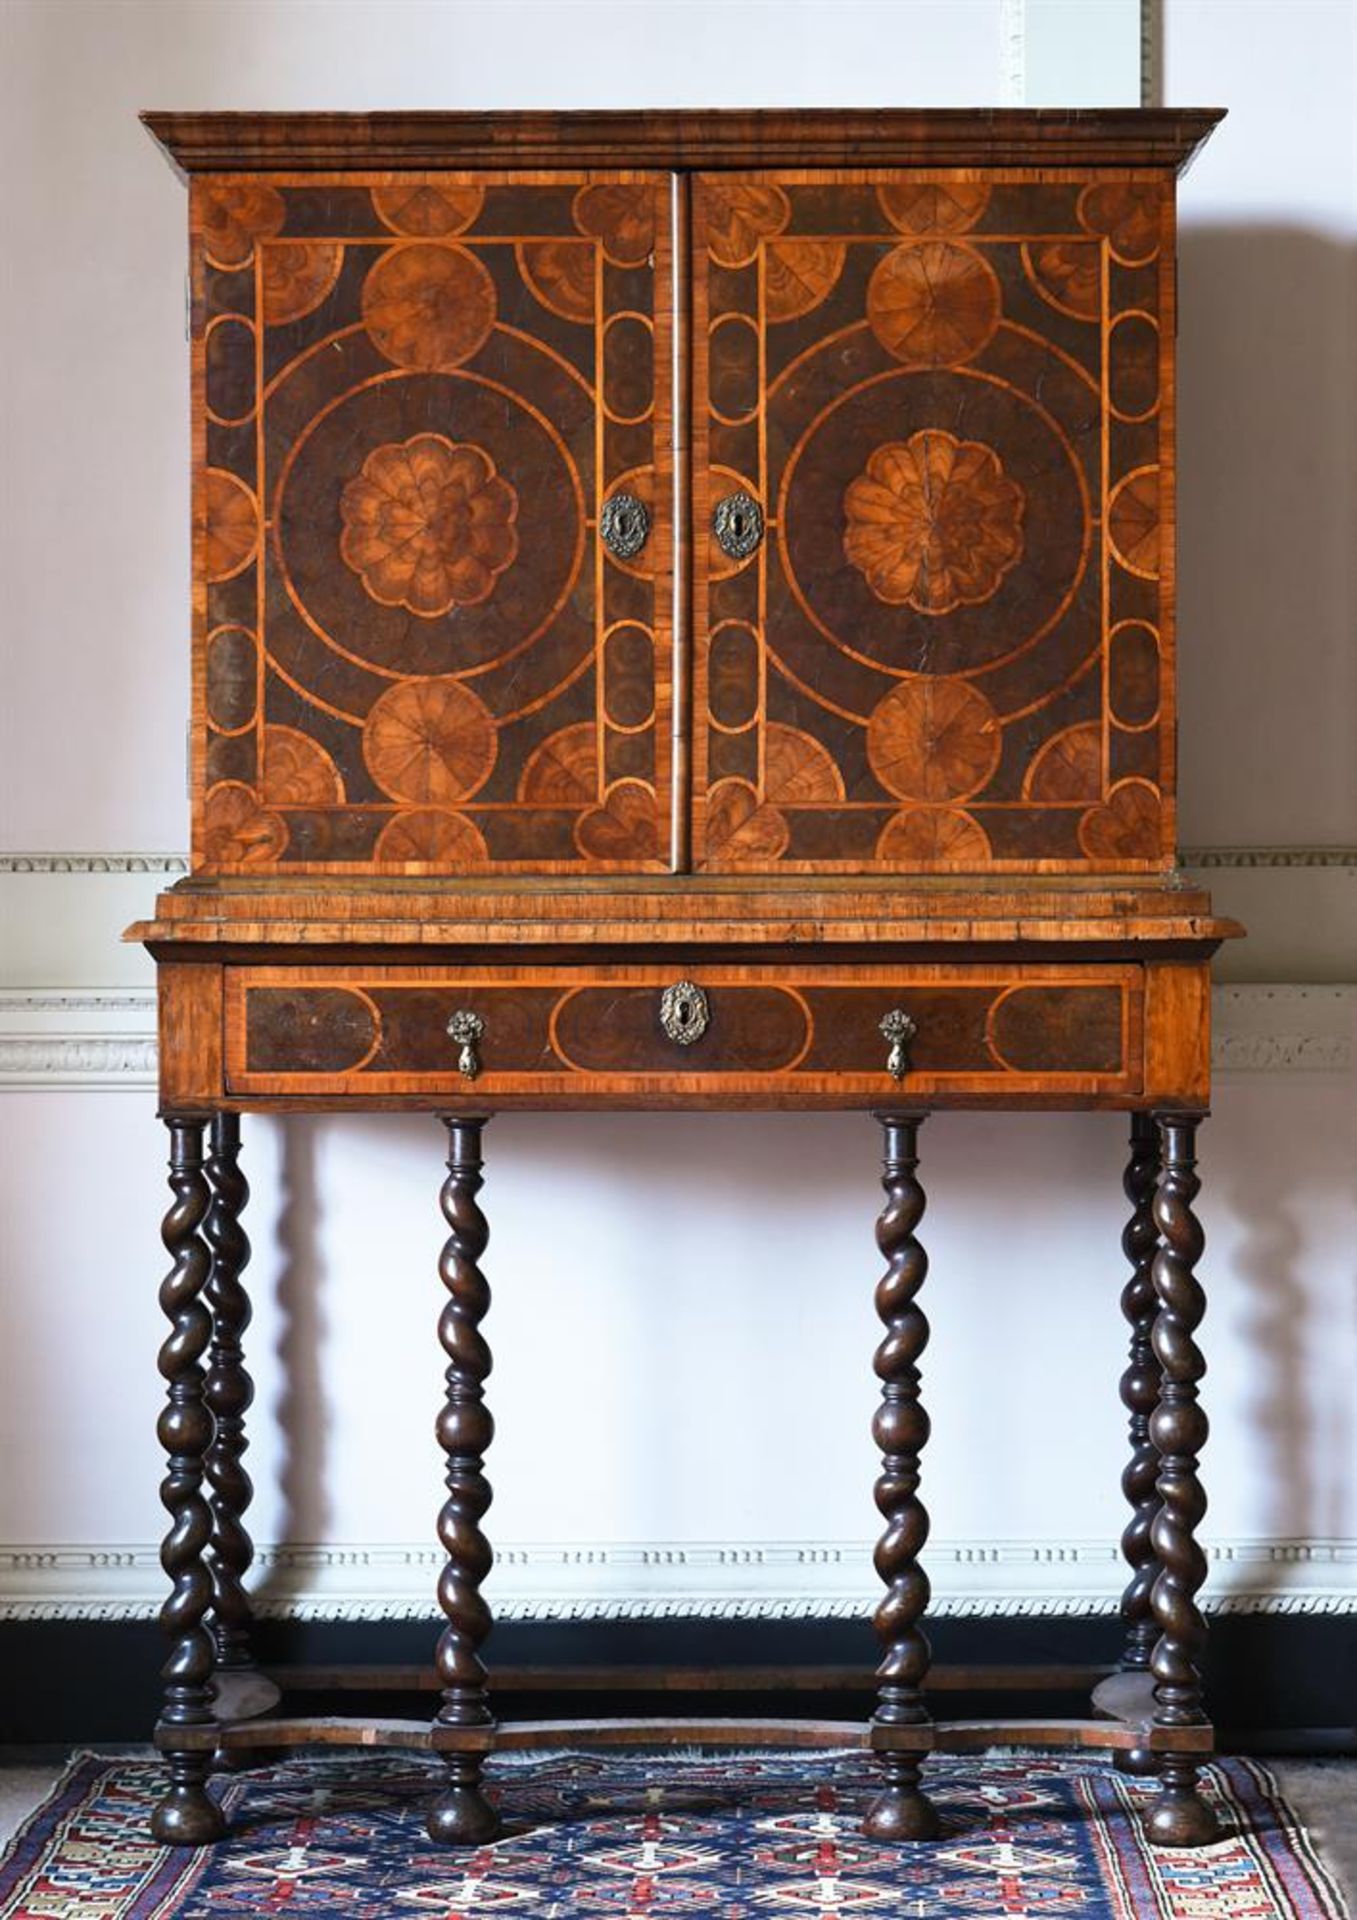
point(228, 1391)
point(1140, 1396)
point(901, 1811)
point(461, 1815)
point(1180, 1817)
point(187, 1816)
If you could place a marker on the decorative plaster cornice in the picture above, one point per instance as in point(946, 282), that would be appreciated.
point(780, 1580)
point(1217, 857)
point(176, 863)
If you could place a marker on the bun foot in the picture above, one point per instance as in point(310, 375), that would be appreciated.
point(1142, 1762)
point(902, 1811)
point(1179, 1816)
point(461, 1816)
point(188, 1816)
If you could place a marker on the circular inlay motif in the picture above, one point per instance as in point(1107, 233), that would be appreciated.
point(933, 522)
point(429, 741)
point(1033, 453)
point(798, 275)
point(622, 216)
point(934, 833)
point(295, 276)
point(234, 215)
point(1127, 212)
point(1133, 521)
point(297, 771)
point(1126, 826)
point(237, 831)
point(432, 212)
point(429, 836)
point(738, 214)
point(429, 524)
point(935, 304)
point(428, 306)
point(947, 206)
point(562, 275)
point(376, 602)
point(230, 524)
point(933, 740)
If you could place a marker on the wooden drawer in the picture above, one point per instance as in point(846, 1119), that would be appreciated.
point(773, 1035)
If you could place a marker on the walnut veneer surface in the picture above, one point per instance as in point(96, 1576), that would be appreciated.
point(683, 616)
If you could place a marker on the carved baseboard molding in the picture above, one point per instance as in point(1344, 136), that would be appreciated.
point(781, 1580)
point(106, 1039)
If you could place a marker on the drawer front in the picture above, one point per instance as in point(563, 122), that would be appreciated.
point(651, 1036)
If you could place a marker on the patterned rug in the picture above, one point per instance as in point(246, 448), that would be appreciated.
point(644, 1837)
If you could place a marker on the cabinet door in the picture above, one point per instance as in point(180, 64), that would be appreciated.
point(413, 397)
point(948, 397)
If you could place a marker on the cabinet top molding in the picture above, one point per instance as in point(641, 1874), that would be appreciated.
point(867, 137)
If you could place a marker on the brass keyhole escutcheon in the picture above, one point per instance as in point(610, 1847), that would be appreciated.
point(467, 1029)
point(624, 525)
point(684, 1012)
point(738, 525)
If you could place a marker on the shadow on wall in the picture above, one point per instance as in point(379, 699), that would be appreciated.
point(1267, 560)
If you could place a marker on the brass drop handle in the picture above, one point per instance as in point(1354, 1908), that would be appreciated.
point(738, 525)
point(624, 525)
point(898, 1029)
point(467, 1029)
point(684, 1012)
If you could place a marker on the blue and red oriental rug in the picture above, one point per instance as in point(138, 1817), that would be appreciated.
point(646, 1837)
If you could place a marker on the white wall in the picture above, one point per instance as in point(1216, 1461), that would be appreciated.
point(683, 1319)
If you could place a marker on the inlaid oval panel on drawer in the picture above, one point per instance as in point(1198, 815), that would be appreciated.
point(776, 1034)
point(751, 1029)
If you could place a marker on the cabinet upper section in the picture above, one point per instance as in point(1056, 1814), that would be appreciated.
point(562, 516)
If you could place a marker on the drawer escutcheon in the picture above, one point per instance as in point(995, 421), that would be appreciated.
point(684, 1012)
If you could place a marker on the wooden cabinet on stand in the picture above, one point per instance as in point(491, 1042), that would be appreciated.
point(683, 618)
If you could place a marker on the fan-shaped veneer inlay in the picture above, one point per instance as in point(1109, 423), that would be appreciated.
point(427, 306)
point(429, 741)
point(935, 304)
point(933, 740)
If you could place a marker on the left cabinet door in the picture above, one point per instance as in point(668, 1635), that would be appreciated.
point(429, 637)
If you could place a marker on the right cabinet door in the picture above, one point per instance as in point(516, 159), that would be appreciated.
point(933, 508)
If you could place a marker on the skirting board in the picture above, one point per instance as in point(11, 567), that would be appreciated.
point(783, 1580)
point(105, 1038)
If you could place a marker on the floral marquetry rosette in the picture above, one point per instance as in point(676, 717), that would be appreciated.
point(429, 742)
point(1068, 274)
point(933, 522)
point(427, 306)
point(429, 525)
point(563, 275)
